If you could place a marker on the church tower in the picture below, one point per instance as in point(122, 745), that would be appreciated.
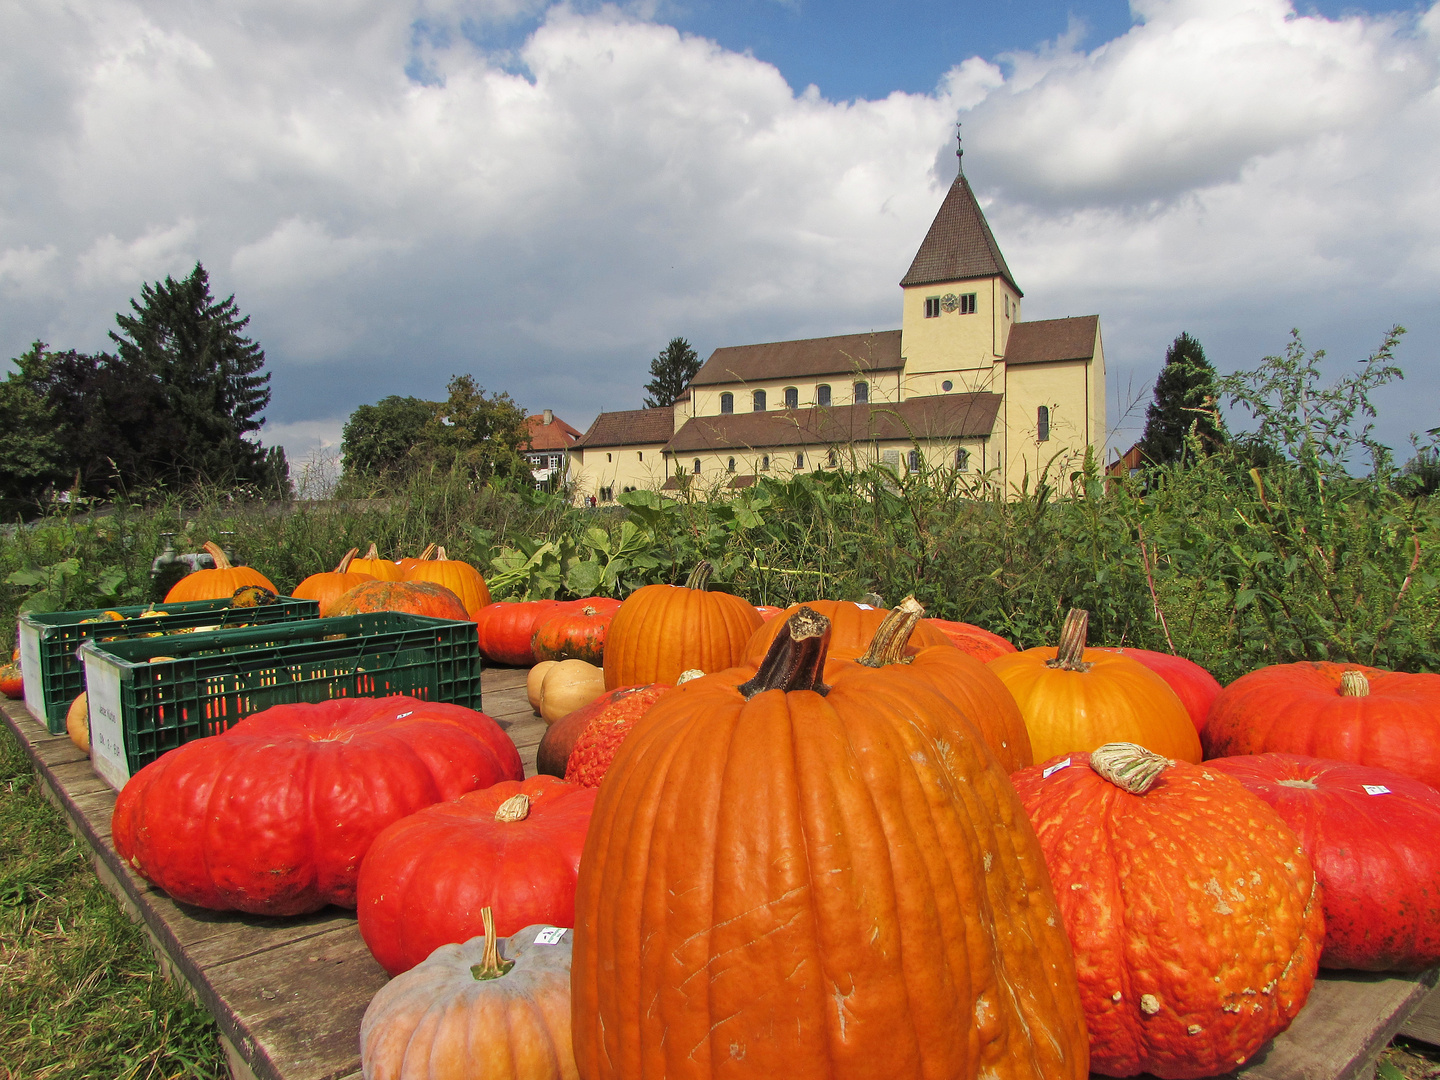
point(960, 301)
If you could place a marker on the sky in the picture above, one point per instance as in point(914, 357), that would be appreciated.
point(543, 194)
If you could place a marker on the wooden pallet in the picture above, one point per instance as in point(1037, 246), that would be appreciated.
point(288, 994)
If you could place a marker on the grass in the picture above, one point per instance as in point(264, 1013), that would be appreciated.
point(81, 995)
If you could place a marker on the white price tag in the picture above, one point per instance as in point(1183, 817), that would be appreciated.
point(866, 607)
point(1375, 789)
point(107, 739)
point(1055, 768)
point(551, 935)
point(30, 674)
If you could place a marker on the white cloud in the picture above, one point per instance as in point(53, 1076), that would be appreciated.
point(548, 218)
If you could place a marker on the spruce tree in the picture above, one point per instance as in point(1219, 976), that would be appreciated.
point(671, 373)
point(211, 377)
point(1185, 396)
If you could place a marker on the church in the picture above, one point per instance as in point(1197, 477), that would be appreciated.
point(964, 384)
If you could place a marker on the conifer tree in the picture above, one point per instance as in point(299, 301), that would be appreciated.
point(671, 373)
point(1185, 396)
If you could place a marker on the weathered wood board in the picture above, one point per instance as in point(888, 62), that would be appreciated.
point(289, 994)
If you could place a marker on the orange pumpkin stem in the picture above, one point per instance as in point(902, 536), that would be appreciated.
point(700, 577)
point(221, 561)
point(796, 660)
point(1070, 656)
point(427, 554)
point(372, 553)
point(349, 558)
point(888, 644)
point(1354, 684)
point(1129, 766)
point(515, 808)
point(490, 966)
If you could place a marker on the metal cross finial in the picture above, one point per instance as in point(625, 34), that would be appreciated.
point(959, 147)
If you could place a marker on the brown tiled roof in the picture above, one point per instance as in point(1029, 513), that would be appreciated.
point(631, 427)
point(959, 244)
point(556, 435)
point(875, 351)
point(1052, 339)
point(944, 416)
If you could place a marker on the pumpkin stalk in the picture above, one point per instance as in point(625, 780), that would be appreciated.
point(1128, 766)
point(1354, 684)
point(515, 808)
point(348, 559)
point(796, 660)
point(222, 562)
point(700, 577)
point(1070, 656)
point(888, 644)
point(490, 966)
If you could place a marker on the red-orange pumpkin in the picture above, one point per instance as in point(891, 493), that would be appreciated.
point(618, 708)
point(663, 630)
point(415, 597)
point(853, 627)
point(459, 577)
point(1195, 915)
point(514, 847)
point(598, 742)
point(572, 633)
point(274, 816)
point(1193, 685)
point(1374, 839)
point(378, 568)
point(506, 628)
point(328, 587)
point(977, 641)
point(759, 855)
point(217, 583)
point(1345, 712)
point(12, 685)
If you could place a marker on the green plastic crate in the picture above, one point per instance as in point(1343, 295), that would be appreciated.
point(140, 709)
point(54, 675)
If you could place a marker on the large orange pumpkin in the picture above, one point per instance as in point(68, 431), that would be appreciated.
point(1074, 698)
point(853, 628)
point(975, 640)
point(217, 583)
point(662, 630)
point(1196, 917)
point(1346, 712)
point(415, 597)
point(378, 568)
point(328, 587)
point(785, 879)
point(459, 577)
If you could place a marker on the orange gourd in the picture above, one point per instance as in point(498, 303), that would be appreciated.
point(326, 588)
point(787, 879)
point(459, 577)
point(218, 583)
point(663, 630)
point(1074, 698)
point(378, 568)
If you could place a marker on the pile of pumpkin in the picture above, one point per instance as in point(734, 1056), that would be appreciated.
point(833, 842)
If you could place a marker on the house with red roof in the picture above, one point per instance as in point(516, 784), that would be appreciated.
point(551, 442)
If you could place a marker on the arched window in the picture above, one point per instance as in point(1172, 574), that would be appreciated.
point(765, 463)
point(727, 402)
point(833, 457)
point(792, 397)
point(914, 460)
point(759, 400)
point(695, 466)
point(800, 459)
point(962, 459)
point(730, 465)
point(822, 395)
point(1042, 424)
point(862, 393)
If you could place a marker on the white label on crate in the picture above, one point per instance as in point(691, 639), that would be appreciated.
point(1375, 789)
point(1055, 768)
point(30, 671)
point(107, 737)
point(551, 935)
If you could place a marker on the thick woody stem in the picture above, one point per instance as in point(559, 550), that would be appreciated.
point(796, 660)
point(347, 560)
point(1128, 766)
point(490, 966)
point(888, 644)
point(1354, 684)
point(700, 577)
point(1070, 656)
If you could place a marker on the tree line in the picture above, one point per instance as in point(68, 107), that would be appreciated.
point(177, 404)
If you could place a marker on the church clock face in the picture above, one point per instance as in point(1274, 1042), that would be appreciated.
point(949, 302)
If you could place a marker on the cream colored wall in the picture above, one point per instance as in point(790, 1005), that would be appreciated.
point(1066, 389)
point(953, 342)
point(939, 453)
point(1099, 419)
point(618, 467)
point(884, 387)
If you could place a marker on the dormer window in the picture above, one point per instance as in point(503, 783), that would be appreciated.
point(932, 307)
point(792, 397)
point(727, 403)
point(862, 393)
point(822, 395)
point(758, 400)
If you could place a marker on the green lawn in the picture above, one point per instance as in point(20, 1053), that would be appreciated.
point(81, 995)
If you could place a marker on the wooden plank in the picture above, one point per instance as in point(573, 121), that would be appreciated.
point(1424, 1023)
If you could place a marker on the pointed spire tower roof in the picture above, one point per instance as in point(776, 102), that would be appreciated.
point(959, 244)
